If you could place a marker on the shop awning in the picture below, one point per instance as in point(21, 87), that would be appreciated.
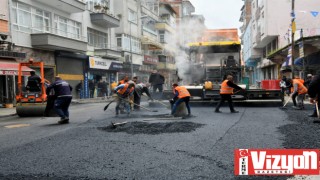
point(11, 68)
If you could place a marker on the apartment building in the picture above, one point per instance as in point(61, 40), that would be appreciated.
point(268, 30)
point(74, 38)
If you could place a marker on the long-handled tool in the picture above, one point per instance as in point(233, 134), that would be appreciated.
point(283, 107)
point(139, 105)
point(106, 107)
point(157, 101)
point(317, 110)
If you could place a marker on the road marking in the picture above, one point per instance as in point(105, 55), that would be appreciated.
point(17, 126)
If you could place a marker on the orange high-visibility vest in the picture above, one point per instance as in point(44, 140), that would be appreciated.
point(123, 91)
point(301, 88)
point(121, 82)
point(183, 92)
point(225, 89)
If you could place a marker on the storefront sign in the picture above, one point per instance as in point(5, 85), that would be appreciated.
point(150, 60)
point(116, 66)
point(86, 90)
point(99, 63)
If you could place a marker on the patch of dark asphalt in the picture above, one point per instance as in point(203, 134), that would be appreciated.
point(302, 133)
point(153, 128)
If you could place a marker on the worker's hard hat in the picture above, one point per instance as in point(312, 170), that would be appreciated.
point(309, 75)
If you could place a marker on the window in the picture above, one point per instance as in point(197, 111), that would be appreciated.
point(97, 39)
point(132, 16)
point(29, 19)
point(66, 27)
point(124, 42)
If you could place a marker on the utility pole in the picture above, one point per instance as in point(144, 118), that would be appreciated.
point(293, 29)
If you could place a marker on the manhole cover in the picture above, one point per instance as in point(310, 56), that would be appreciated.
point(153, 128)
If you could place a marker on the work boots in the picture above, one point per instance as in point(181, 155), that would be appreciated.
point(314, 114)
point(64, 120)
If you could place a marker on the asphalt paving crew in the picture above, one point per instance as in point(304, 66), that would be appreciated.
point(226, 91)
point(124, 91)
point(63, 99)
point(314, 92)
point(298, 92)
point(181, 94)
point(139, 89)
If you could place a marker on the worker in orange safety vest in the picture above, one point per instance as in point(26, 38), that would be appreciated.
point(124, 91)
point(226, 91)
point(298, 91)
point(181, 94)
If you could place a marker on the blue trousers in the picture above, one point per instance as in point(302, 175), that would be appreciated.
point(179, 101)
point(61, 106)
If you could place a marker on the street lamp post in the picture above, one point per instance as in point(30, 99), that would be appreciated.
point(293, 29)
point(131, 62)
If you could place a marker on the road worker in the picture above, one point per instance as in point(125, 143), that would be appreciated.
point(124, 91)
point(226, 91)
point(298, 91)
point(139, 89)
point(123, 80)
point(181, 94)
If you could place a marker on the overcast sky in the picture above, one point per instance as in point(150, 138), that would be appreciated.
point(219, 13)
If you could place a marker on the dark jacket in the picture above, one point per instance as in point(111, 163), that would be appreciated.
point(231, 84)
point(314, 87)
point(61, 88)
point(34, 78)
point(156, 78)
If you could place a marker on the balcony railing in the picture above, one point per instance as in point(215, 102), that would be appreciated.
point(106, 46)
point(58, 32)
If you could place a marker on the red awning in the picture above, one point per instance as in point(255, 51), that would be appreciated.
point(11, 68)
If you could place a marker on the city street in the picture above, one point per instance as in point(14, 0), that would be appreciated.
point(149, 146)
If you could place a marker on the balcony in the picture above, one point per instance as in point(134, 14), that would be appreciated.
point(56, 42)
point(69, 6)
point(166, 66)
point(108, 51)
point(104, 19)
point(164, 26)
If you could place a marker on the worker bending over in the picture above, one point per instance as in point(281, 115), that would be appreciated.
point(182, 95)
point(298, 90)
point(124, 91)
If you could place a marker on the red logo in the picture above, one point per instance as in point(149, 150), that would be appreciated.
point(276, 162)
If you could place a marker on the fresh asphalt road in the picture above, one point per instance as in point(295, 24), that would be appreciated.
point(38, 148)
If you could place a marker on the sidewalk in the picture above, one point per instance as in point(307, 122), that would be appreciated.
point(5, 112)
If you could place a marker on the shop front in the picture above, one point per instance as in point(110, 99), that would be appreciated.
point(100, 73)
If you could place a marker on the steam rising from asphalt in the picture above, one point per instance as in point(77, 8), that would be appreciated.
point(188, 30)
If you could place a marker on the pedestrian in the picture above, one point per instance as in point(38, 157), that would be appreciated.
point(124, 91)
point(156, 80)
point(226, 91)
point(33, 84)
point(91, 88)
point(79, 89)
point(63, 99)
point(299, 90)
point(314, 92)
point(181, 94)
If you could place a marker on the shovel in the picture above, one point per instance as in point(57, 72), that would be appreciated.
point(106, 107)
point(158, 101)
point(283, 107)
point(317, 110)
